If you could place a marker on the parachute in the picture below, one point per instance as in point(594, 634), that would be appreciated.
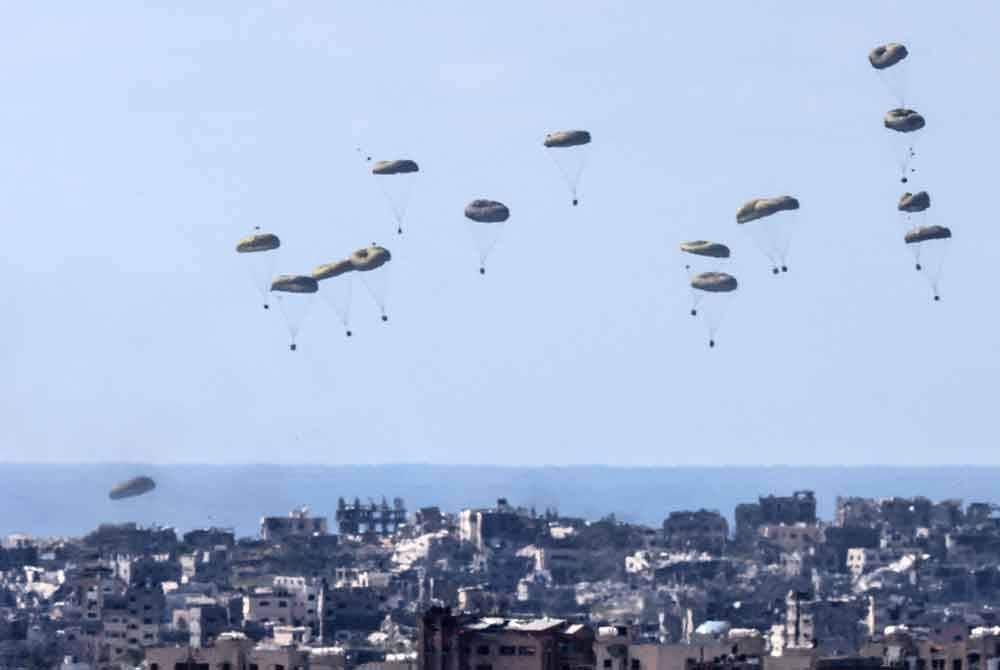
point(903, 122)
point(487, 218)
point(772, 236)
point(913, 209)
point(371, 261)
point(712, 293)
point(569, 155)
point(929, 245)
point(701, 256)
point(337, 293)
point(703, 248)
point(259, 264)
point(131, 488)
point(887, 55)
point(294, 294)
point(926, 234)
point(396, 178)
point(888, 61)
point(257, 243)
point(914, 202)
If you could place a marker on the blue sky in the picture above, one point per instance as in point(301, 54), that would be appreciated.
point(140, 142)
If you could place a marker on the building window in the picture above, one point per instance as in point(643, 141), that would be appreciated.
point(253, 666)
point(607, 663)
point(483, 650)
point(635, 664)
point(956, 664)
point(484, 666)
point(279, 667)
point(525, 651)
point(506, 650)
point(154, 666)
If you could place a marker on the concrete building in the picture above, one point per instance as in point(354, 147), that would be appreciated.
point(498, 527)
point(450, 642)
point(297, 525)
point(703, 530)
point(800, 507)
point(370, 519)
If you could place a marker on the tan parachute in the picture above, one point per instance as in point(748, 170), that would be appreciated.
point(887, 55)
point(773, 235)
point(370, 258)
point(705, 248)
point(259, 265)
point(714, 282)
point(567, 138)
point(711, 294)
point(257, 243)
point(371, 263)
point(337, 293)
point(929, 245)
point(400, 166)
point(395, 179)
point(487, 211)
point(131, 488)
point(569, 153)
point(926, 234)
point(903, 120)
point(331, 270)
point(914, 202)
point(294, 294)
point(487, 218)
point(294, 284)
point(758, 208)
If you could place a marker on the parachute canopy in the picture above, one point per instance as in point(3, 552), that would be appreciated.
point(887, 55)
point(926, 233)
point(914, 202)
point(370, 258)
point(294, 284)
point(904, 120)
point(487, 211)
point(259, 242)
point(330, 270)
point(131, 488)
point(567, 138)
point(704, 248)
point(402, 166)
point(758, 208)
point(714, 282)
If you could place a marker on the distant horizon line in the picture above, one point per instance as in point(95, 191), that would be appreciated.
point(493, 466)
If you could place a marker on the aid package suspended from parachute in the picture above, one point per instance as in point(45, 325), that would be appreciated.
point(395, 178)
point(569, 149)
point(929, 245)
point(889, 61)
point(771, 223)
point(337, 287)
point(701, 256)
point(371, 262)
point(712, 293)
point(257, 250)
point(294, 294)
point(903, 124)
point(486, 223)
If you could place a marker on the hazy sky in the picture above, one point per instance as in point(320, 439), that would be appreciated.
point(139, 143)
